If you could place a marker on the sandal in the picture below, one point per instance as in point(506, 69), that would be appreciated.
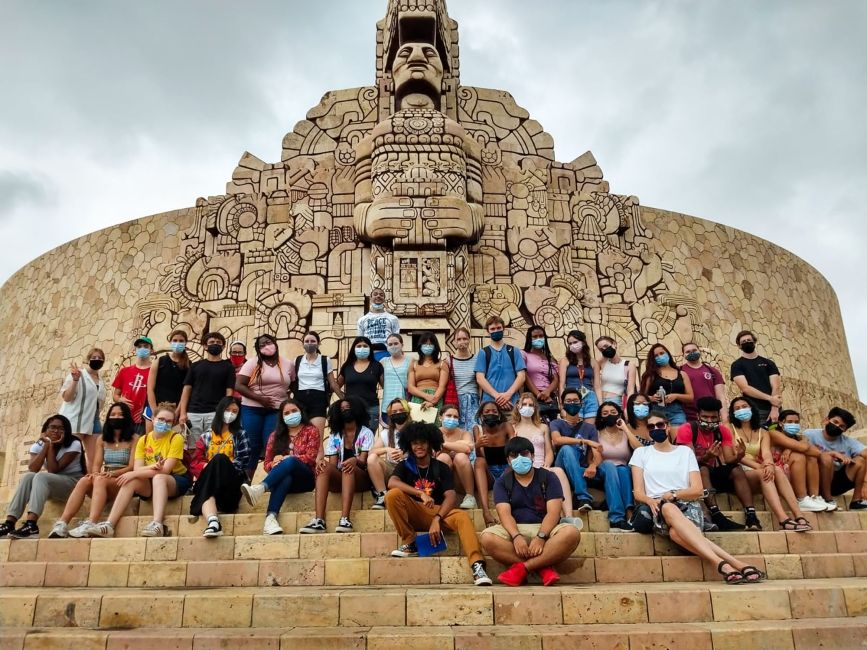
point(804, 522)
point(730, 577)
point(794, 526)
point(753, 575)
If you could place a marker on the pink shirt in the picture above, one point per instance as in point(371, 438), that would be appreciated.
point(538, 369)
point(272, 382)
point(704, 380)
point(618, 453)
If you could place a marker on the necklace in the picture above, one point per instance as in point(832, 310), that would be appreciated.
point(425, 474)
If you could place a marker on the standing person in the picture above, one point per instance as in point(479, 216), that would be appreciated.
point(360, 376)
point(385, 453)
point(290, 459)
point(421, 495)
point(315, 382)
point(530, 536)
point(395, 373)
point(618, 378)
point(500, 370)
point(843, 463)
point(667, 479)
point(56, 465)
point(577, 444)
point(377, 324)
point(131, 382)
point(578, 370)
point(527, 423)
point(342, 464)
point(542, 372)
point(219, 466)
point(83, 394)
point(491, 435)
point(802, 458)
point(462, 366)
point(207, 382)
point(428, 375)
point(238, 357)
point(613, 473)
point(264, 385)
point(166, 378)
point(763, 475)
point(668, 387)
point(459, 453)
point(705, 380)
point(158, 472)
point(113, 458)
point(757, 378)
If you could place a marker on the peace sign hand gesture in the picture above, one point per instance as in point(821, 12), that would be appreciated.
point(75, 371)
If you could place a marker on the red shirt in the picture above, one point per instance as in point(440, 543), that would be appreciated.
point(703, 440)
point(132, 382)
point(704, 380)
point(305, 447)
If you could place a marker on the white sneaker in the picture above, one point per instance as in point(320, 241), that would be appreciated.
point(154, 529)
point(59, 530)
point(253, 493)
point(271, 525)
point(809, 504)
point(102, 529)
point(469, 503)
point(830, 506)
point(82, 530)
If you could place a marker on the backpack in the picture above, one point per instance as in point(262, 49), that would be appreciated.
point(509, 484)
point(294, 385)
point(509, 348)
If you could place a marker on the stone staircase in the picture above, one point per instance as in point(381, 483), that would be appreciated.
point(619, 590)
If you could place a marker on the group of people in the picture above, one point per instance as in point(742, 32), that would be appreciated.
point(418, 431)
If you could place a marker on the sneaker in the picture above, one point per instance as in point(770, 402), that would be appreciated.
point(102, 529)
point(344, 525)
point(314, 526)
point(154, 529)
point(724, 523)
point(469, 503)
point(82, 530)
point(584, 505)
point(6, 527)
point(622, 525)
point(809, 504)
point(28, 529)
point(858, 505)
point(379, 502)
point(514, 576)
point(573, 521)
point(549, 576)
point(480, 578)
point(271, 526)
point(707, 526)
point(213, 529)
point(253, 493)
point(751, 521)
point(830, 505)
point(59, 531)
point(405, 550)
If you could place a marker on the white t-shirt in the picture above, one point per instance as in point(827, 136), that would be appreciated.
point(664, 471)
point(74, 468)
point(310, 373)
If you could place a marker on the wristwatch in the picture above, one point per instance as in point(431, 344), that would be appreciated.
point(673, 495)
point(542, 536)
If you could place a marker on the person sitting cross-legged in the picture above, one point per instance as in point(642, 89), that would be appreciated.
point(421, 497)
point(529, 536)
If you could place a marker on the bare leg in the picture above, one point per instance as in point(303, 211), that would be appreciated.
point(856, 473)
point(742, 487)
point(76, 499)
point(710, 500)
point(557, 549)
point(209, 508)
point(104, 488)
point(685, 533)
point(124, 496)
point(89, 442)
point(567, 490)
point(769, 491)
point(323, 482)
point(812, 476)
point(163, 487)
point(798, 474)
point(376, 470)
point(784, 489)
point(481, 472)
point(464, 472)
point(826, 473)
point(319, 423)
point(502, 550)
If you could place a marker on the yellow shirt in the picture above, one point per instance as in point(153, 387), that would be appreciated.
point(151, 449)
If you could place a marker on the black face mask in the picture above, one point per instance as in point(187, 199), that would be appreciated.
point(609, 353)
point(347, 415)
point(658, 435)
point(491, 420)
point(116, 423)
point(749, 347)
point(572, 409)
point(609, 420)
point(399, 418)
point(215, 349)
point(95, 364)
point(833, 430)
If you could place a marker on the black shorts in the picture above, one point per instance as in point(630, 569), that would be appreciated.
point(840, 483)
point(721, 478)
point(314, 403)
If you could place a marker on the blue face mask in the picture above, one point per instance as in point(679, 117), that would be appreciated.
point(377, 305)
point(142, 353)
point(178, 346)
point(451, 423)
point(497, 336)
point(427, 349)
point(641, 411)
point(792, 428)
point(662, 359)
point(744, 414)
point(292, 419)
point(538, 344)
point(162, 427)
point(521, 465)
point(362, 353)
point(572, 409)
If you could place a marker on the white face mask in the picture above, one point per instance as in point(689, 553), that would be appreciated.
point(526, 411)
point(229, 417)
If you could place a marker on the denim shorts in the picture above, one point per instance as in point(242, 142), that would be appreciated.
point(497, 470)
point(183, 483)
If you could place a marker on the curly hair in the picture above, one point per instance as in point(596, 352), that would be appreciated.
point(420, 431)
point(335, 414)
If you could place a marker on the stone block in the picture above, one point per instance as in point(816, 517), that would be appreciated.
point(237, 573)
point(148, 639)
point(328, 546)
point(737, 543)
point(246, 639)
point(310, 609)
point(632, 569)
point(291, 573)
point(455, 571)
point(817, 602)
point(859, 560)
point(23, 550)
point(347, 572)
point(199, 548)
point(775, 543)
point(679, 605)
point(813, 542)
point(610, 545)
point(5, 544)
point(685, 568)
point(784, 567)
point(528, 606)
point(751, 603)
point(161, 549)
point(119, 550)
point(12, 639)
point(828, 566)
point(108, 574)
point(22, 574)
point(66, 574)
point(363, 521)
point(267, 547)
point(217, 609)
point(128, 527)
point(67, 610)
point(188, 528)
point(463, 607)
point(587, 606)
point(833, 635)
point(170, 521)
point(130, 610)
point(839, 521)
point(418, 638)
point(16, 610)
point(378, 544)
point(308, 638)
point(738, 636)
point(684, 639)
point(157, 574)
point(856, 600)
point(369, 607)
point(851, 541)
point(65, 639)
point(405, 571)
point(498, 638)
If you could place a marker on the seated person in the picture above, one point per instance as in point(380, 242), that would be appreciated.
point(801, 457)
point(577, 444)
point(60, 455)
point(719, 462)
point(843, 463)
point(421, 497)
point(385, 453)
point(459, 453)
point(529, 536)
point(668, 481)
point(491, 437)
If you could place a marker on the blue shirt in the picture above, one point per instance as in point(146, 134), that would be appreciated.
point(500, 374)
point(842, 444)
point(581, 430)
point(528, 505)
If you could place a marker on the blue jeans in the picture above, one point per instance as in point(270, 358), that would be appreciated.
point(258, 423)
point(569, 460)
point(617, 482)
point(290, 476)
point(675, 414)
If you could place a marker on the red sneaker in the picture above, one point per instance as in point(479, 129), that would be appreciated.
point(514, 576)
point(549, 576)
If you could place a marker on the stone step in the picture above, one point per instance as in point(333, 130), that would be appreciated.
point(833, 633)
point(258, 607)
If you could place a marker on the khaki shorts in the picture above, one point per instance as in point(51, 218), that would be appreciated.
point(529, 531)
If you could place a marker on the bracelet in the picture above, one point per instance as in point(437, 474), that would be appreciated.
point(515, 536)
point(437, 515)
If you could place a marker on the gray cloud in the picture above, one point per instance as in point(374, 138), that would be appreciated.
point(18, 190)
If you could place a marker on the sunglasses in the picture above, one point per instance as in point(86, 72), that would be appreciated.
point(658, 425)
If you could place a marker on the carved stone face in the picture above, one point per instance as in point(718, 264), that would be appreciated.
point(417, 71)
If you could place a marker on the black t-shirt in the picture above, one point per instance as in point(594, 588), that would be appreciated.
point(758, 374)
point(209, 380)
point(436, 480)
point(170, 380)
point(363, 384)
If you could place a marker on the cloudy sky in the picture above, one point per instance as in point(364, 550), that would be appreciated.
point(749, 114)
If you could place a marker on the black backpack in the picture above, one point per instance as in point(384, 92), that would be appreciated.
point(324, 360)
point(509, 348)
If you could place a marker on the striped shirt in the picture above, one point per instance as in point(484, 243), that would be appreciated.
point(465, 375)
